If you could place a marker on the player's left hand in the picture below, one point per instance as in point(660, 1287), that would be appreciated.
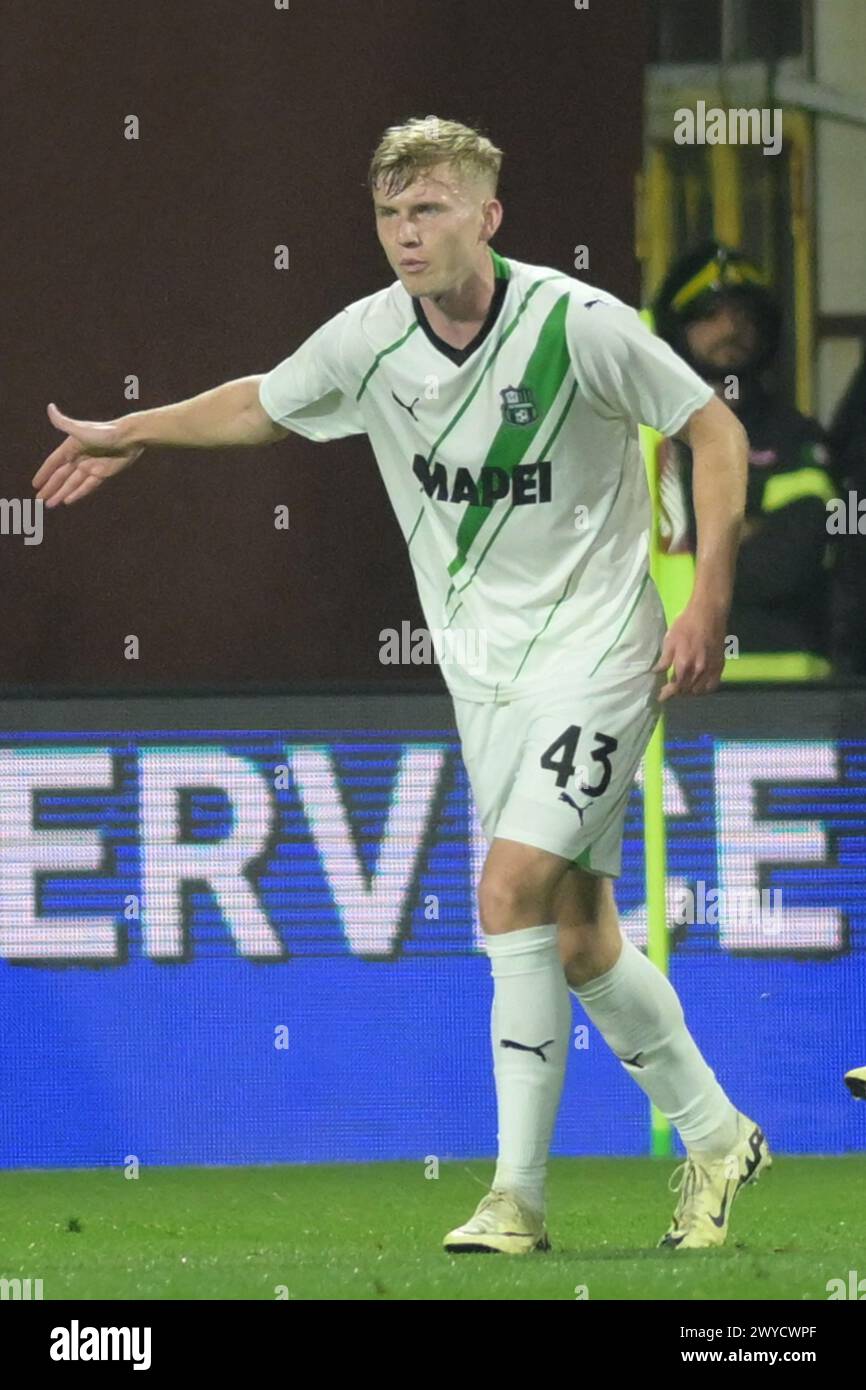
point(695, 647)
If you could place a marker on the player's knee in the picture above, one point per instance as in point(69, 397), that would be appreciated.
point(589, 934)
point(507, 902)
point(578, 951)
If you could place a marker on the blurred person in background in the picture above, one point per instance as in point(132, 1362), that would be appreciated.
point(848, 441)
point(848, 436)
point(715, 308)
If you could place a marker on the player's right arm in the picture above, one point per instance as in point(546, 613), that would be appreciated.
point(226, 416)
point(309, 393)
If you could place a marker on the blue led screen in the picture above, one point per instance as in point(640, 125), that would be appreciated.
point(260, 944)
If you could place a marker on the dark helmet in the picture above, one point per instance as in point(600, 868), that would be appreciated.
point(703, 278)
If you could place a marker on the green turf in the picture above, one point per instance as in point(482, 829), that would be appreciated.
point(375, 1231)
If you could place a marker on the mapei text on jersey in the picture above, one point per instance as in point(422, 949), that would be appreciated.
point(525, 482)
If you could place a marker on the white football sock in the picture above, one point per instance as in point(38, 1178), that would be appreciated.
point(637, 1011)
point(532, 1008)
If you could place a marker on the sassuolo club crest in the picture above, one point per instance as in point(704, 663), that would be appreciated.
point(518, 405)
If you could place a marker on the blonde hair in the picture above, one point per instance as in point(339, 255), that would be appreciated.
point(407, 151)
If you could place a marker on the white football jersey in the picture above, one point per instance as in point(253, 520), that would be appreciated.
point(513, 465)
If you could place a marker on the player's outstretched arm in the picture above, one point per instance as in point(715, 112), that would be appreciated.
point(95, 450)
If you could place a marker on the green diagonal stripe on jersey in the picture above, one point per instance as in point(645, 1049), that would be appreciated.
point(488, 366)
point(544, 375)
point(392, 347)
point(545, 449)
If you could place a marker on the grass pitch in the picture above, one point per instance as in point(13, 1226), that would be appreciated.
point(374, 1232)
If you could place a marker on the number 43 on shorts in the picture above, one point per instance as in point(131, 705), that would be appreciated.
point(564, 766)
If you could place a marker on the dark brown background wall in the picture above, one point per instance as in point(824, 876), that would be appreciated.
point(155, 258)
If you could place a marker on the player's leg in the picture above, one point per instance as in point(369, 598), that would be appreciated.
point(548, 772)
point(637, 1011)
point(530, 1029)
point(532, 1011)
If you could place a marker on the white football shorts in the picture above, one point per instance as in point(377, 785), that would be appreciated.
point(554, 769)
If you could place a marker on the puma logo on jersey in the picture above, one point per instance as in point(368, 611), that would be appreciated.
point(524, 483)
point(410, 408)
